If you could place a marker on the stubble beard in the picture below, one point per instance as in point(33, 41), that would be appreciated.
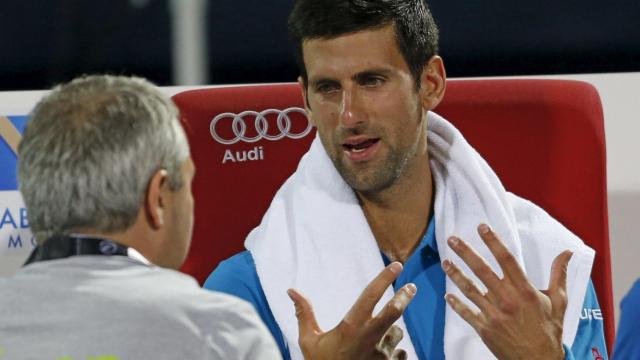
point(371, 178)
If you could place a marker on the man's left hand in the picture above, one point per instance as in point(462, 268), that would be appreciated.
point(360, 334)
point(515, 320)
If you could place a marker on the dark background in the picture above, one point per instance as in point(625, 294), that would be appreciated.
point(44, 42)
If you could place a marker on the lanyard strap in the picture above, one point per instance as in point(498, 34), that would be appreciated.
point(60, 247)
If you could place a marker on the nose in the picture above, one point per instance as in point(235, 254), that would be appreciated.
point(352, 111)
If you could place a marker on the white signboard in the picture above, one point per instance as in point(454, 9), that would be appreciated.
point(16, 241)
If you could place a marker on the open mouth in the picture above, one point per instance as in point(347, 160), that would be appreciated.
point(360, 148)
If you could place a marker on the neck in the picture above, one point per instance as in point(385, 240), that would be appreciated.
point(134, 237)
point(398, 215)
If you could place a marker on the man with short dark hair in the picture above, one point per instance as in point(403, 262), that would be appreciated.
point(386, 180)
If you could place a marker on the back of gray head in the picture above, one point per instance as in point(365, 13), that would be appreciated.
point(90, 149)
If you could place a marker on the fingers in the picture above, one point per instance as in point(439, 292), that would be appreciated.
point(389, 341)
point(558, 284)
point(361, 310)
point(476, 263)
point(472, 317)
point(399, 354)
point(506, 260)
point(392, 310)
point(307, 324)
point(466, 285)
point(558, 278)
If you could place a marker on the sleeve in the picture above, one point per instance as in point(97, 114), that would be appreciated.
point(589, 342)
point(627, 340)
point(237, 276)
point(568, 355)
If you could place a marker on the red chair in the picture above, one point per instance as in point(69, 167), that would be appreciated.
point(544, 138)
point(233, 189)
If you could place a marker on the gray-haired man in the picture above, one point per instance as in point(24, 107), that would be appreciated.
point(105, 169)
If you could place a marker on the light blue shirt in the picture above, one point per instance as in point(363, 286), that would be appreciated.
point(628, 337)
point(424, 317)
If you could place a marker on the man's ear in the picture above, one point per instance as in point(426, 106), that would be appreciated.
point(433, 83)
point(154, 200)
point(305, 98)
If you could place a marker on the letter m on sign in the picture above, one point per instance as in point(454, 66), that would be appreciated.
point(15, 242)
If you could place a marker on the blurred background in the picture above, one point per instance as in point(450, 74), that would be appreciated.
point(177, 42)
point(198, 42)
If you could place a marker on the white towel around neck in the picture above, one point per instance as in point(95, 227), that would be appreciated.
point(314, 237)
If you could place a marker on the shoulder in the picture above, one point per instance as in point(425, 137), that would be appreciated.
point(630, 310)
point(236, 275)
point(182, 295)
point(173, 291)
point(627, 346)
point(221, 307)
point(242, 262)
point(632, 299)
point(179, 294)
point(232, 326)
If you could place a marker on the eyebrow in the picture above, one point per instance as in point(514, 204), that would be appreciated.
point(372, 72)
point(315, 82)
point(357, 76)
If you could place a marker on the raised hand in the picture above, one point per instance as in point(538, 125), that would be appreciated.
point(515, 320)
point(359, 335)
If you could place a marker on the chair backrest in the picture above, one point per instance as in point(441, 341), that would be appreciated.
point(544, 138)
point(245, 141)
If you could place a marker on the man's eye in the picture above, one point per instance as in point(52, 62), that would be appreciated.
point(372, 81)
point(327, 88)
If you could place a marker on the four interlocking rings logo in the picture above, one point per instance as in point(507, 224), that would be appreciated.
point(239, 126)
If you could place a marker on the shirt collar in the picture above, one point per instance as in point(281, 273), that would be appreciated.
point(429, 238)
point(428, 243)
point(136, 255)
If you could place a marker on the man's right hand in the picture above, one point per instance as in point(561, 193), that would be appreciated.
point(359, 335)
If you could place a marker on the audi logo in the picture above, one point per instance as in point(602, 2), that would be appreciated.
point(239, 126)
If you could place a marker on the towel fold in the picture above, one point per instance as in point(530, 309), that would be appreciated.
point(314, 237)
